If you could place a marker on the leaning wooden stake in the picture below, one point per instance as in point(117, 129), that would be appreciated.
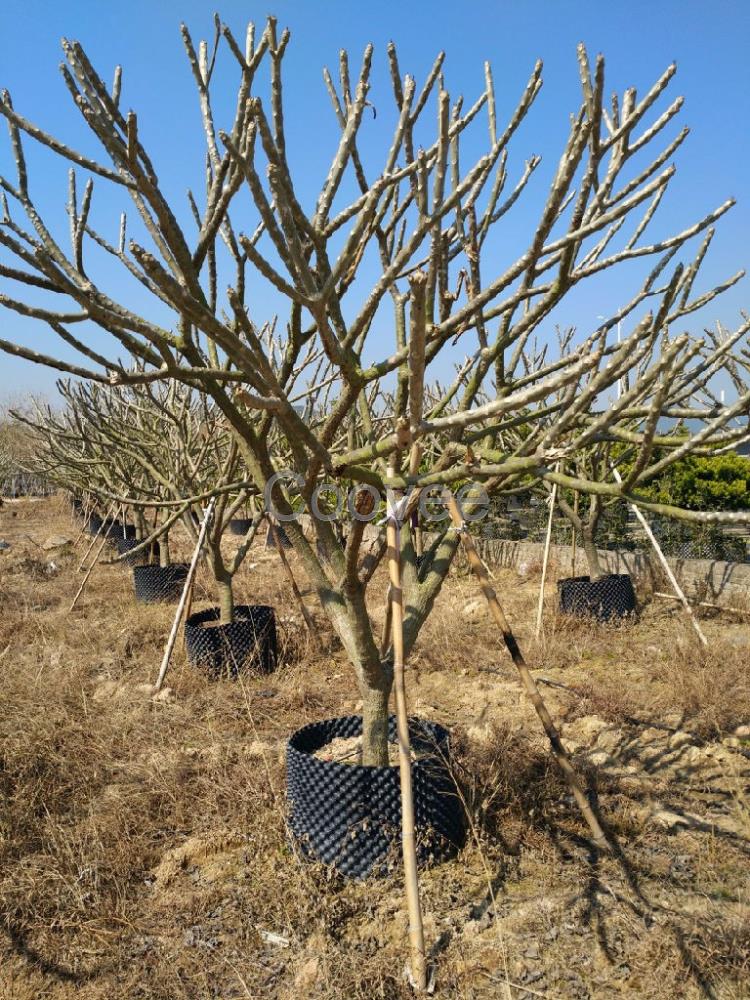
point(545, 561)
point(293, 583)
point(83, 526)
point(408, 834)
point(679, 593)
point(705, 604)
point(184, 597)
point(102, 527)
point(559, 752)
point(90, 570)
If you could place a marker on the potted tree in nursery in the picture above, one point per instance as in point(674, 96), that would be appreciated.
point(599, 594)
point(171, 443)
point(375, 287)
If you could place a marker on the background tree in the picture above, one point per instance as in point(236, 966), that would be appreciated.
point(152, 447)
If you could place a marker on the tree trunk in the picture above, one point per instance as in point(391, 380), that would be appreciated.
point(592, 553)
point(164, 558)
point(223, 581)
point(226, 599)
point(375, 722)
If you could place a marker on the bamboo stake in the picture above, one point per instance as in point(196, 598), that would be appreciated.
point(575, 536)
point(408, 835)
point(704, 604)
point(385, 636)
point(102, 527)
point(666, 567)
point(558, 750)
point(295, 589)
point(184, 596)
point(89, 571)
point(545, 561)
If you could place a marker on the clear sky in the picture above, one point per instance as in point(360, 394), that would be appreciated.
point(709, 41)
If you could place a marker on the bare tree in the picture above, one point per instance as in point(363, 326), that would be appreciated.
point(376, 288)
point(152, 448)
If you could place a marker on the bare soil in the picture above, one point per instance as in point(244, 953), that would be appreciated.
point(143, 851)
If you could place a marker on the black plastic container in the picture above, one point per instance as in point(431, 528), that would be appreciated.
point(280, 534)
point(159, 583)
point(125, 545)
point(93, 524)
point(248, 643)
point(609, 598)
point(240, 525)
point(349, 816)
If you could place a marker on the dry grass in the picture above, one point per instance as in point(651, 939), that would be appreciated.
point(142, 844)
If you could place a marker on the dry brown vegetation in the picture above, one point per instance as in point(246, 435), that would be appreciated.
point(142, 842)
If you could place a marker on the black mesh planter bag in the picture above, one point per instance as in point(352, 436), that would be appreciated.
point(159, 583)
point(249, 643)
point(349, 816)
point(240, 525)
point(280, 534)
point(93, 524)
point(125, 545)
point(609, 598)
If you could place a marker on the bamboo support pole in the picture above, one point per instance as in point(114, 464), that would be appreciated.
point(186, 591)
point(310, 624)
point(89, 571)
point(545, 560)
point(102, 527)
point(408, 834)
point(666, 567)
point(83, 526)
point(558, 750)
point(385, 636)
point(704, 604)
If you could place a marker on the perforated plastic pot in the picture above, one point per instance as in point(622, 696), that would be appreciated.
point(159, 583)
point(125, 545)
point(93, 524)
point(248, 644)
point(240, 525)
point(282, 536)
point(349, 816)
point(609, 598)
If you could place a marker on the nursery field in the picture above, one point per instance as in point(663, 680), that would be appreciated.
point(143, 847)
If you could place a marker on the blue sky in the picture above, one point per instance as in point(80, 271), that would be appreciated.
point(708, 41)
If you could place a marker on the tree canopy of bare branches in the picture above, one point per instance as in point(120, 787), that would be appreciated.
point(377, 286)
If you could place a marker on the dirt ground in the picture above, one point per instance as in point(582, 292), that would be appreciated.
point(143, 851)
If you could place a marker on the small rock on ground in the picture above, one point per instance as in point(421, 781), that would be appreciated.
point(56, 542)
